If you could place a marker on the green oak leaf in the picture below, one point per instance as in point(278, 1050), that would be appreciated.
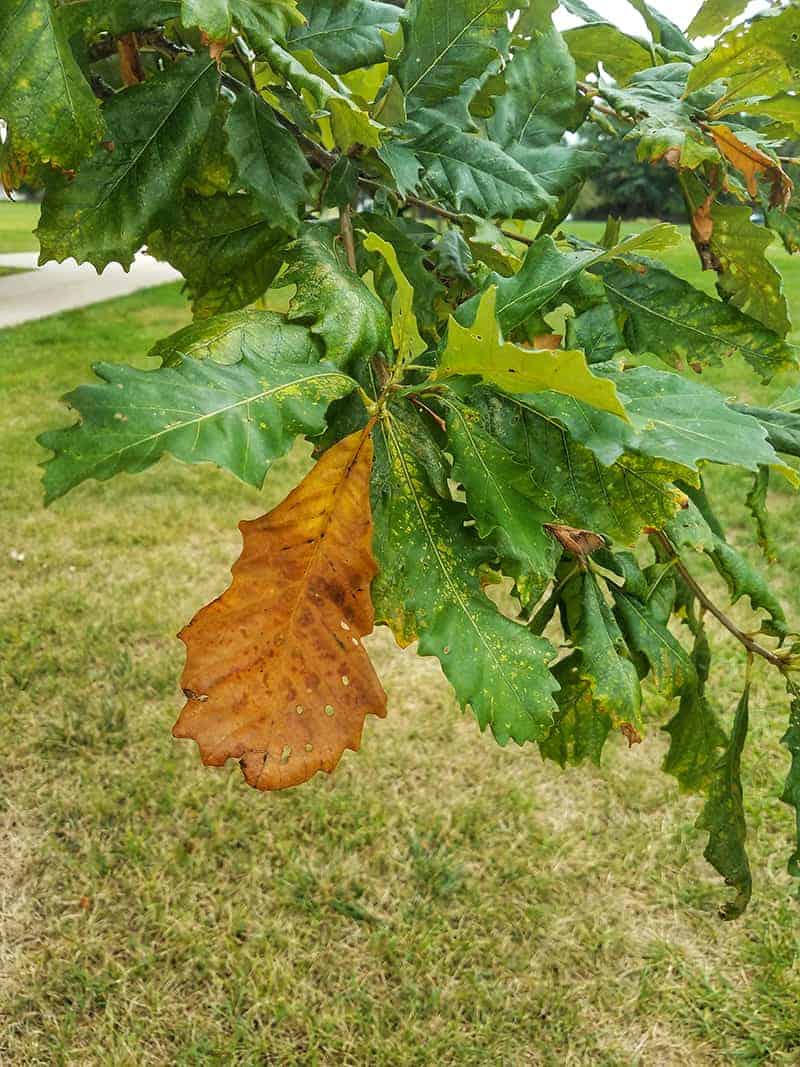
point(345, 34)
point(604, 662)
point(758, 59)
point(445, 46)
point(226, 250)
point(714, 15)
point(620, 54)
point(689, 528)
point(214, 169)
point(241, 416)
point(334, 302)
point(499, 498)
point(539, 104)
point(782, 427)
point(227, 338)
point(405, 334)
point(595, 331)
point(269, 163)
point(403, 165)
point(780, 108)
point(791, 790)
point(654, 99)
point(410, 244)
point(561, 170)
point(748, 279)
point(663, 30)
point(756, 501)
point(616, 501)
point(674, 418)
point(51, 111)
point(579, 729)
point(644, 623)
point(260, 21)
point(696, 737)
point(213, 17)
point(545, 271)
point(743, 579)
point(324, 92)
point(93, 17)
point(475, 175)
point(723, 816)
point(124, 191)
point(667, 316)
point(427, 588)
point(540, 98)
point(480, 350)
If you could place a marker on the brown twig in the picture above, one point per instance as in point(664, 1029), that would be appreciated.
point(436, 209)
point(315, 153)
point(346, 230)
point(776, 659)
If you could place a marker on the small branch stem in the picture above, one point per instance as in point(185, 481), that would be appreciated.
point(604, 109)
point(346, 230)
point(753, 647)
point(442, 212)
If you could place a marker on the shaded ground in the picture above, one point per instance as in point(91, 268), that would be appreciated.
point(437, 900)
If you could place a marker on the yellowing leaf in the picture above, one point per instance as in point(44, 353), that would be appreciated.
point(751, 162)
point(479, 349)
point(276, 675)
point(405, 333)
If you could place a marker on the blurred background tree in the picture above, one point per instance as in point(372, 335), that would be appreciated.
point(624, 187)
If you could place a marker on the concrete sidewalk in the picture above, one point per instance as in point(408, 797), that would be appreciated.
point(55, 287)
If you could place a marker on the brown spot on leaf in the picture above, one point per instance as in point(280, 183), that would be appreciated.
point(631, 734)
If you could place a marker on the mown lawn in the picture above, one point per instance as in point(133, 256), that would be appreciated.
point(17, 222)
point(437, 900)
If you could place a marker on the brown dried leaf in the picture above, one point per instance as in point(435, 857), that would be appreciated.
point(276, 674)
point(547, 341)
point(751, 162)
point(578, 542)
point(130, 64)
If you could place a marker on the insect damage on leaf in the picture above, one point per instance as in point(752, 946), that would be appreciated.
point(276, 672)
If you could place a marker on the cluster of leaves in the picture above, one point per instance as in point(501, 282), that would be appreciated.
point(367, 205)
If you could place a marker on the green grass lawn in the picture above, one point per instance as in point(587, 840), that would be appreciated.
point(437, 900)
point(17, 221)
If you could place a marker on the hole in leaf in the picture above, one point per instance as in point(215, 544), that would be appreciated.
point(329, 709)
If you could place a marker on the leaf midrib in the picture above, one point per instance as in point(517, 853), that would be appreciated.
point(263, 395)
point(446, 574)
point(146, 144)
point(451, 44)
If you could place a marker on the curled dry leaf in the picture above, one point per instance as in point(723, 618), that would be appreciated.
point(579, 542)
point(751, 162)
point(276, 674)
